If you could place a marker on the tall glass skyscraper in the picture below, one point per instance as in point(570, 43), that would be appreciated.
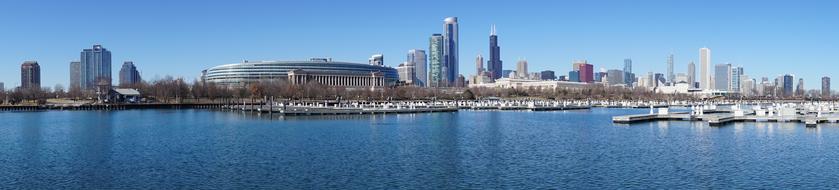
point(450, 50)
point(419, 60)
point(722, 76)
point(435, 61)
point(95, 67)
point(129, 75)
point(671, 77)
point(494, 63)
point(628, 77)
point(736, 79)
point(692, 74)
point(787, 85)
point(825, 87)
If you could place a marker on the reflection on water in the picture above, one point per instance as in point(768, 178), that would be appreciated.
point(161, 149)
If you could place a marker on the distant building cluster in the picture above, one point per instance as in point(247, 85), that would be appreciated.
point(438, 67)
point(92, 71)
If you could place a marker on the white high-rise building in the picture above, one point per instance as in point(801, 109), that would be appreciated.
point(407, 73)
point(705, 69)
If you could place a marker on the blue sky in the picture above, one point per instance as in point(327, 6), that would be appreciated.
point(180, 38)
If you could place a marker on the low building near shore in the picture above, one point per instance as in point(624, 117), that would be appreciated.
point(124, 95)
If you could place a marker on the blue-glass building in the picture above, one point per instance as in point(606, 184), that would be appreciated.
point(129, 75)
point(494, 63)
point(574, 76)
point(450, 50)
point(95, 67)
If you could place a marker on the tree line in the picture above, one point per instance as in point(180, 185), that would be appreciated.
point(177, 90)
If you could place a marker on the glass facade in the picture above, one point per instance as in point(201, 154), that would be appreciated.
point(129, 75)
point(450, 50)
point(435, 61)
point(95, 67)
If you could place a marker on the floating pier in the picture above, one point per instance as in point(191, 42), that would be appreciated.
point(810, 115)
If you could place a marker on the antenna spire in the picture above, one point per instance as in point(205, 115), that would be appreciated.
point(492, 31)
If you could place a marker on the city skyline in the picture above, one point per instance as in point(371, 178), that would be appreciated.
point(546, 50)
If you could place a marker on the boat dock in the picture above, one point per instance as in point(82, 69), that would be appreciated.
point(810, 116)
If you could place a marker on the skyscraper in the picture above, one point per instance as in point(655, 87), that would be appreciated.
point(722, 75)
point(826, 87)
point(586, 73)
point(615, 77)
point(2, 86)
point(95, 67)
point(479, 65)
point(671, 77)
point(407, 73)
point(30, 75)
point(705, 68)
point(628, 77)
point(494, 64)
point(75, 75)
point(787, 85)
point(129, 75)
point(435, 61)
point(450, 50)
point(692, 74)
point(736, 79)
point(521, 69)
point(799, 89)
point(418, 59)
point(377, 59)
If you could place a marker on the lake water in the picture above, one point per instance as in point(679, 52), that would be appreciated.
point(164, 149)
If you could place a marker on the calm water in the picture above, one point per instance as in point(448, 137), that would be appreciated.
point(470, 149)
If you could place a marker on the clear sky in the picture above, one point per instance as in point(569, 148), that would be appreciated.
point(181, 38)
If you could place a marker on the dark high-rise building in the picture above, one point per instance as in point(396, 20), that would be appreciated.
point(450, 50)
point(30, 75)
point(787, 84)
point(460, 81)
point(826, 87)
point(95, 67)
point(494, 63)
point(548, 75)
point(75, 75)
point(129, 75)
point(659, 78)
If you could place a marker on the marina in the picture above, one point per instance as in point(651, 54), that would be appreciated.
point(811, 114)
